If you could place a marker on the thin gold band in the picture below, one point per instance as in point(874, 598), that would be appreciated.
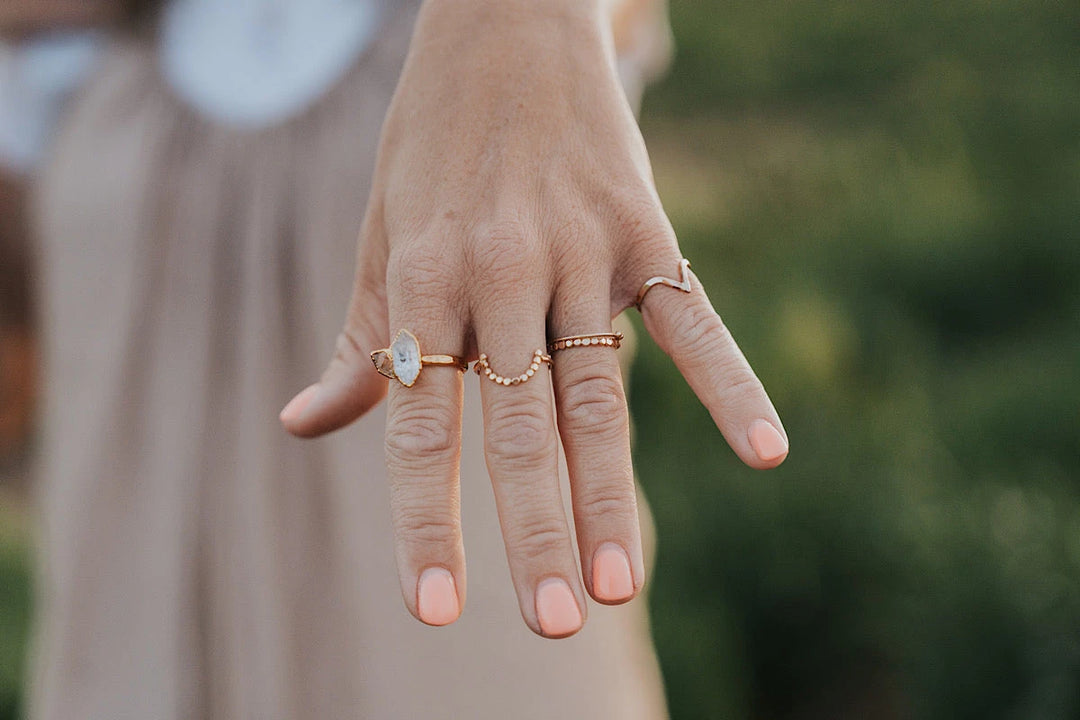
point(682, 284)
point(483, 367)
point(451, 360)
point(612, 340)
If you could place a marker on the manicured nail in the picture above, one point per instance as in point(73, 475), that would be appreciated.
point(767, 441)
point(612, 580)
point(295, 409)
point(557, 608)
point(436, 597)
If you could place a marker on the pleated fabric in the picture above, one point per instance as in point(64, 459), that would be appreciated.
point(197, 562)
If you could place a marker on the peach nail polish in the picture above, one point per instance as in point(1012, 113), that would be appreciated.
point(436, 597)
point(557, 608)
point(612, 579)
point(767, 441)
point(298, 404)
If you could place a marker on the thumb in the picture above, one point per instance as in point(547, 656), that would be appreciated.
point(350, 385)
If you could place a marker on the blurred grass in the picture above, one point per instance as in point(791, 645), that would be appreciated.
point(884, 200)
point(15, 604)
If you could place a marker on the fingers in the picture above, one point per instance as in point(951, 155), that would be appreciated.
point(349, 386)
point(423, 450)
point(423, 454)
point(521, 449)
point(595, 430)
point(687, 328)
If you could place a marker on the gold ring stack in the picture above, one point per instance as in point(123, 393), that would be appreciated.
point(482, 367)
point(612, 340)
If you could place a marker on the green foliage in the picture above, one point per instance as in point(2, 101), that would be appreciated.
point(884, 200)
point(15, 600)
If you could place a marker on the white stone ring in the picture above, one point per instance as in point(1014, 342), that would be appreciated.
point(402, 361)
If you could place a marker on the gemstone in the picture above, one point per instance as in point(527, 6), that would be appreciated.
point(406, 354)
point(383, 363)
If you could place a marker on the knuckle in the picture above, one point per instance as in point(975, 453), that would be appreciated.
point(348, 350)
point(349, 364)
point(609, 501)
point(417, 270)
point(639, 219)
point(537, 537)
point(420, 526)
point(740, 382)
point(502, 250)
point(593, 403)
point(519, 434)
point(421, 435)
point(701, 331)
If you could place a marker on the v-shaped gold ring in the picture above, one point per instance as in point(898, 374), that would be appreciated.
point(684, 284)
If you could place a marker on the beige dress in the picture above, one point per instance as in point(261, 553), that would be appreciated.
point(198, 562)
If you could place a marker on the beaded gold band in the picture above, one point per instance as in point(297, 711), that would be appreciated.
point(403, 362)
point(612, 340)
point(682, 284)
point(482, 367)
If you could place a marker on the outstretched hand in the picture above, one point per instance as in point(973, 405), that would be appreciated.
point(512, 204)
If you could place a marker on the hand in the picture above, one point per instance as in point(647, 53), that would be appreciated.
point(513, 203)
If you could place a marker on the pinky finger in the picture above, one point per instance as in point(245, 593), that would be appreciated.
point(688, 329)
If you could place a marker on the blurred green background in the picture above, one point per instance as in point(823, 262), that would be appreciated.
point(884, 201)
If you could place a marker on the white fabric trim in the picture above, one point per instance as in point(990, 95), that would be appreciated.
point(35, 78)
point(253, 63)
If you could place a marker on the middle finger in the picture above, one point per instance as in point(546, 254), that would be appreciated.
point(521, 449)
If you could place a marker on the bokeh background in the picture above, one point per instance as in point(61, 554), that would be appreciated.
point(884, 200)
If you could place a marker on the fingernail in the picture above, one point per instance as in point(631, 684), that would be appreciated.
point(612, 580)
point(557, 608)
point(767, 441)
point(436, 597)
point(295, 409)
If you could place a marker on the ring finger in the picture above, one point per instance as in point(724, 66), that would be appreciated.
point(595, 430)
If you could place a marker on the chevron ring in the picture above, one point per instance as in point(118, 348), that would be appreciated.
point(684, 284)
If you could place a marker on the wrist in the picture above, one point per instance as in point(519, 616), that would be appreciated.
point(477, 17)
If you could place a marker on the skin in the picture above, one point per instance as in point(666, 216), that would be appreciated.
point(513, 202)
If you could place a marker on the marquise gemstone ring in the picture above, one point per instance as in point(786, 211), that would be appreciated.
point(403, 360)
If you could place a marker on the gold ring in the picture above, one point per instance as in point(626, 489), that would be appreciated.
point(683, 284)
point(612, 340)
point(538, 358)
point(402, 361)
